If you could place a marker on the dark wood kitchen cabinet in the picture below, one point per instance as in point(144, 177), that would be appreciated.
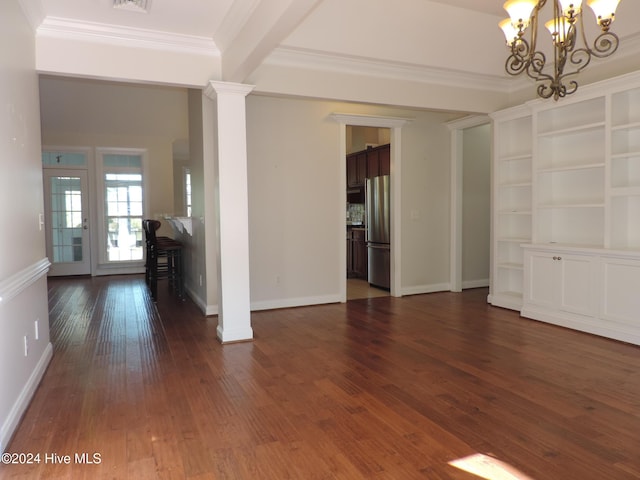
point(356, 253)
point(368, 163)
point(356, 169)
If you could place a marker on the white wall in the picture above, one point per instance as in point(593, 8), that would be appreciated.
point(476, 208)
point(23, 263)
point(295, 214)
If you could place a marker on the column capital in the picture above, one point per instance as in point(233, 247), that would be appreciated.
point(216, 88)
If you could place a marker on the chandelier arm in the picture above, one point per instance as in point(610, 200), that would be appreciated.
point(519, 59)
point(536, 66)
point(605, 44)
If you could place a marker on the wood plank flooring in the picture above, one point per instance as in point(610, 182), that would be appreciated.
point(358, 289)
point(380, 388)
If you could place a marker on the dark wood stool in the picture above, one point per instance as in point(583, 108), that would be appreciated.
point(164, 260)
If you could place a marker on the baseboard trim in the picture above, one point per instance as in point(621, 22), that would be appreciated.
point(482, 282)
point(420, 289)
point(207, 310)
point(294, 302)
point(24, 399)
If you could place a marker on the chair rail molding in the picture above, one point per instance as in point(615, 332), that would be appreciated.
point(15, 284)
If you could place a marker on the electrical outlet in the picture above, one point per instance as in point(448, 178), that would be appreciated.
point(41, 221)
point(26, 345)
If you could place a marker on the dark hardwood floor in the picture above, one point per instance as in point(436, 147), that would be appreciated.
point(380, 388)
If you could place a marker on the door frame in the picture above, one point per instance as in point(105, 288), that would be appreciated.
point(69, 268)
point(457, 128)
point(395, 124)
point(91, 185)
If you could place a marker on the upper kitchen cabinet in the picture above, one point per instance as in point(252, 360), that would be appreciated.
point(368, 163)
point(379, 161)
point(356, 169)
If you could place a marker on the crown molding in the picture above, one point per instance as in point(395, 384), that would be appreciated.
point(468, 122)
point(315, 60)
point(369, 120)
point(56, 27)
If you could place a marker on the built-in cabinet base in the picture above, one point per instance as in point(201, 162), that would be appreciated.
point(591, 290)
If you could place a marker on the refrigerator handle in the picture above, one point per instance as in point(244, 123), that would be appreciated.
point(367, 212)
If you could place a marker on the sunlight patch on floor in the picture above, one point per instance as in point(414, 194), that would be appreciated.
point(488, 468)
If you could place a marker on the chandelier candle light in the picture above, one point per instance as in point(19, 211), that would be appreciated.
point(566, 28)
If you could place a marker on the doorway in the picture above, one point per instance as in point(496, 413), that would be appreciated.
point(470, 202)
point(67, 221)
point(368, 263)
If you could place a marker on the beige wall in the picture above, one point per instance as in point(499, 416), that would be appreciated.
point(476, 209)
point(295, 214)
point(295, 175)
point(23, 287)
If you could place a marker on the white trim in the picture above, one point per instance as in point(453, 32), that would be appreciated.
point(207, 310)
point(66, 28)
point(581, 323)
point(318, 60)
point(226, 335)
point(214, 88)
point(421, 289)
point(17, 283)
point(23, 400)
point(369, 120)
point(296, 302)
point(102, 266)
point(479, 283)
point(395, 124)
point(457, 128)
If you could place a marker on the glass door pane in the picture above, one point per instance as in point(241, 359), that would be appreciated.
point(67, 222)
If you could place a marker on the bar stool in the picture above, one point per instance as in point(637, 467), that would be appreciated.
point(164, 260)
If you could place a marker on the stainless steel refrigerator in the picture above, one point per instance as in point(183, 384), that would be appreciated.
point(377, 208)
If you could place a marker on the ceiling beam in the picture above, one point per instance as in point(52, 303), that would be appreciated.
point(271, 21)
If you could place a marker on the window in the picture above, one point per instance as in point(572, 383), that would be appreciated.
point(123, 208)
point(187, 191)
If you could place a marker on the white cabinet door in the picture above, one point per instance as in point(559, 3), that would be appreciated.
point(621, 291)
point(561, 282)
point(541, 283)
point(578, 284)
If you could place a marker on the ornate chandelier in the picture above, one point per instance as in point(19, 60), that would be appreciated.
point(566, 28)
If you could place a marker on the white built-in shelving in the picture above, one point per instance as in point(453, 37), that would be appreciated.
point(512, 190)
point(566, 211)
point(624, 172)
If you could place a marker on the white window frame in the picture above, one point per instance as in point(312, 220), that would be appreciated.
point(104, 266)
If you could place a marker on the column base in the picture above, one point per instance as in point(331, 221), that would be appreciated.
point(226, 335)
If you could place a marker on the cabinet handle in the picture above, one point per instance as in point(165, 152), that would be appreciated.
point(557, 258)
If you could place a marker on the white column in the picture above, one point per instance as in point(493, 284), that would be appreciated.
point(234, 310)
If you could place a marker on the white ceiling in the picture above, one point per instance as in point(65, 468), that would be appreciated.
point(456, 40)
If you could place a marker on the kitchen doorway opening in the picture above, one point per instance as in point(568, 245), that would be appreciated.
point(368, 212)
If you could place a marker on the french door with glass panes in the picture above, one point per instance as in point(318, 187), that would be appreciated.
point(67, 221)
